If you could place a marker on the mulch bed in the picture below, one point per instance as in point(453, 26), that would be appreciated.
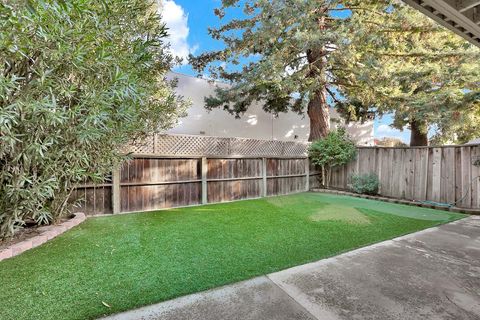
point(29, 231)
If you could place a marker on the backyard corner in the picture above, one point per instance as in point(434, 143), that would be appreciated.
point(115, 263)
point(240, 160)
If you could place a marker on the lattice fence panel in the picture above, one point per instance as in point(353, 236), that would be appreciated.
point(188, 145)
point(145, 146)
point(295, 148)
point(254, 147)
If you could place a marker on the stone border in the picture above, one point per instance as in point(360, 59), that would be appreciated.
point(400, 201)
point(43, 237)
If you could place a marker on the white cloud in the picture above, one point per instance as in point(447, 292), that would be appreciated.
point(177, 23)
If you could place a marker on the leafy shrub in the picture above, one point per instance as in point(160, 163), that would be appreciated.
point(336, 149)
point(78, 80)
point(365, 183)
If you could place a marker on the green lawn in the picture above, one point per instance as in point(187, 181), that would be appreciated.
point(127, 261)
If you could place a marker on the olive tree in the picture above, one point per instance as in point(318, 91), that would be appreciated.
point(78, 80)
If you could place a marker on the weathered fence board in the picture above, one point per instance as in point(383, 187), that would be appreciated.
point(156, 183)
point(151, 183)
point(475, 172)
point(93, 199)
point(233, 179)
point(441, 174)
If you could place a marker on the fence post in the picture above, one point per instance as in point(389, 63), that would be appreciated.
point(378, 164)
point(307, 174)
point(264, 177)
point(425, 192)
point(116, 190)
point(204, 180)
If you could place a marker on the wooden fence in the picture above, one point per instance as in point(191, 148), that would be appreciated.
point(447, 174)
point(170, 171)
point(150, 183)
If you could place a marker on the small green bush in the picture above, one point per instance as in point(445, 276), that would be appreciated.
point(365, 183)
point(336, 149)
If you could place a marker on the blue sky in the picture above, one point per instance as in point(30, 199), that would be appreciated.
point(189, 20)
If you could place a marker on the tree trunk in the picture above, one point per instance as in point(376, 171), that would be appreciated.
point(318, 111)
point(319, 116)
point(419, 134)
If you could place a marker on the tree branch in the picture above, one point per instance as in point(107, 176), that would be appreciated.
point(332, 95)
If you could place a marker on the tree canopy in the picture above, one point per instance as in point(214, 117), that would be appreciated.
point(78, 80)
point(295, 55)
point(281, 58)
point(411, 66)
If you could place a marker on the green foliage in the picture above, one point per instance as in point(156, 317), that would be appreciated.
point(131, 260)
point(365, 183)
point(390, 142)
point(336, 149)
point(461, 126)
point(415, 68)
point(273, 44)
point(79, 79)
point(385, 56)
point(289, 61)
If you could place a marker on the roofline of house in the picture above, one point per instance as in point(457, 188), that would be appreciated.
point(459, 16)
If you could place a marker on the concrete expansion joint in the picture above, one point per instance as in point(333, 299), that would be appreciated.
point(299, 303)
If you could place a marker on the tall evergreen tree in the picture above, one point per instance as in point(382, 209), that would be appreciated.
point(288, 50)
point(293, 54)
point(411, 66)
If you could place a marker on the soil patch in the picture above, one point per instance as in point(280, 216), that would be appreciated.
point(27, 233)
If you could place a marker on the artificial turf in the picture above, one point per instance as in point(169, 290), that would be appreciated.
point(114, 263)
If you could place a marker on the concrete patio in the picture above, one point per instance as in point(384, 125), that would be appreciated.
point(432, 274)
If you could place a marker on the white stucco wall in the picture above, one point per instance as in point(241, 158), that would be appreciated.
point(255, 123)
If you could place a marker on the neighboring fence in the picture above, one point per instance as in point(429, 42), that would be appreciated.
point(447, 174)
point(173, 171)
